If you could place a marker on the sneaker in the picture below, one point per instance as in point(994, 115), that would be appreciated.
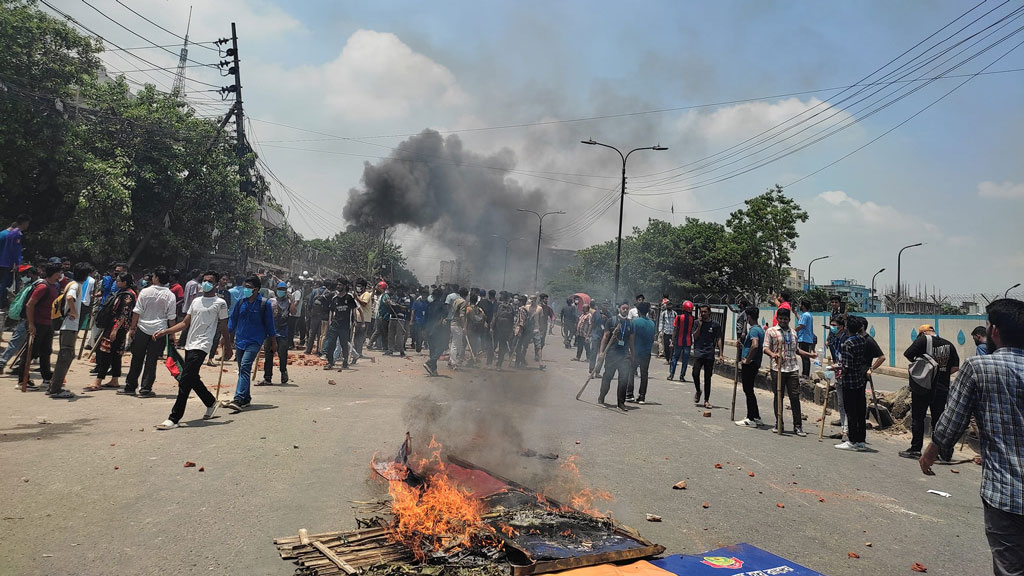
point(234, 406)
point(861, 447)
point(696, 398)
point(264, 383)
point(800, 432)
point(125, 392)
point(669, 377)
point(630, 399)
point(775, 429)
point(845, 446)
point(146, 394)
point(747, 422)
point(623, 408)
point(329, 367)
point(63, 395)
point(641, 401)
point(166, 425)
point(210, 411)
point(911, 454)
point(758, 422)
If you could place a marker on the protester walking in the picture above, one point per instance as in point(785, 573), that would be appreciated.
point(207, 314)
point(682, 340)
point(457, 325)
point(10, 256)
point(71, 312)
point(617, 351)
point(339, 328)
point(250, 325)
point(666, 328)
point(282, 306)
point(583, 325)
point(644, 334)
point(155, 308)
point(931, 395)
point(502, 329)
point(708, 338)
point(38, 314)
point(437, 332)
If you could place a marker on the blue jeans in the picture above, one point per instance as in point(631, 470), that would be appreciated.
point(245, 356)
point(336, 345)
point(684, 352)
point(18, 338)
point(6, 281)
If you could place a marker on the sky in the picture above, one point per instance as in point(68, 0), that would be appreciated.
point(329, 86)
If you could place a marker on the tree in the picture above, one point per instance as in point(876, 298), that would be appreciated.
point(762, 235)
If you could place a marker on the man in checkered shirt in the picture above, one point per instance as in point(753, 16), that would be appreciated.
point(991, 388)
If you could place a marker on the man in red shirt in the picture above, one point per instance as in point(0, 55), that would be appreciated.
point(781, 301)
point(40, 325)
point(682, 340)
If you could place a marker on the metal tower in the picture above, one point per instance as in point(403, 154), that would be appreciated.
point(179, 78)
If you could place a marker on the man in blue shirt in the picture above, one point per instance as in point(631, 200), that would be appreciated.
point(251, 322)
point(980, 335)
point(10, 256)
point(419, 320)
point(750, 364)
point(805, 335)
point(644, 332)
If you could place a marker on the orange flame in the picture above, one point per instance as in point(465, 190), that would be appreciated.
point(439, 516)
point(581, 497)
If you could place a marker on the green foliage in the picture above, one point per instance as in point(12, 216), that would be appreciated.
point(745, 256)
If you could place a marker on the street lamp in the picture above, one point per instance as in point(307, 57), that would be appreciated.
point(898, 264)
point(622, 200)
point(1007, 293)
point(507, 242)
point(809, 271)
point(540, 229)
point(873, 289)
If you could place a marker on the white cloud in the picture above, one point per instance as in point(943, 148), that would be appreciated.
point(377, 76)
point(868, 212)
point(1011, 190)
point(741, 121)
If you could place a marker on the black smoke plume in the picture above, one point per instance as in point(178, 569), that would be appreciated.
point(460, 198)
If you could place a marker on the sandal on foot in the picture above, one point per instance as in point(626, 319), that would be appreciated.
point(63, 395)
point(92, 388)
point(166, 425)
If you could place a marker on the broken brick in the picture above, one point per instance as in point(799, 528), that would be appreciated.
point(718, 466)
point(705, 505)
point(681, 485)
point(190, 464)
point(202, 469)
point(751, 474)
point(780, 505)
point(918, 567)
point(853, 555)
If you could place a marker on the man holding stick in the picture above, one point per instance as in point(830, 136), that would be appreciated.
point(207, 314)
point(780, 344)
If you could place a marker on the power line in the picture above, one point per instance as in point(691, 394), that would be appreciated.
point(200, 44)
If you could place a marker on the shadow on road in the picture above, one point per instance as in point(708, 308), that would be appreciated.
point(42, 430)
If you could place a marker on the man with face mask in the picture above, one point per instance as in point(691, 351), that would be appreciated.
point(207, 314)
point(154, 308)
point(707, 337)
point(251, 323)
point(618, 353)
point(503, 321)
point(991, 389)
point(283, 308)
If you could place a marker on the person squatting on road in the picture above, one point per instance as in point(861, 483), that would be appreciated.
point(207, 314)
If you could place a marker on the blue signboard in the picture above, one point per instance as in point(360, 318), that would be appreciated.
point(737, 560)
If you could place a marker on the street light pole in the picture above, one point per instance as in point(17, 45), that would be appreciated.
point(873, 289)
point(809, 271)
point(1007, 293)
point(622, 201)
point(540, 230)
point(899, 261)
point(508, 241)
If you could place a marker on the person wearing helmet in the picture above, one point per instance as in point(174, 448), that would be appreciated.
point(682, 340)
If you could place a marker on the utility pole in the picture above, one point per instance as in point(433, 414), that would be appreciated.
point(241, 145)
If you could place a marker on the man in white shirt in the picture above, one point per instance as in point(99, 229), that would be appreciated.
point(72, 310)
point(154, 308)
point(633, 314)
point(295, 316)
point(206, 315)
point(666, 327)
point(191, 292)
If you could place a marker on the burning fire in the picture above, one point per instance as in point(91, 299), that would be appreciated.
point(439, 516)
point(581, 497)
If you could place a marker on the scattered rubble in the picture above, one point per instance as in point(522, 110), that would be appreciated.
point(918, 567)
point(190, 464)
point(681, 485)
point(653, 518)
point(853, 555)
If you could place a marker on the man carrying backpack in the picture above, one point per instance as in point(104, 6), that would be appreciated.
point(71, 309)
point(930, 393)
point(37, 313)
point(29, 276)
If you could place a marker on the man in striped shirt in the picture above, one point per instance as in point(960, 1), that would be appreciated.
point(991, 389)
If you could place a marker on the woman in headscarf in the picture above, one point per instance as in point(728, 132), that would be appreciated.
point(115, 324)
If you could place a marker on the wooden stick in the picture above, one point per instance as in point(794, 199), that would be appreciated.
point(828, 391)
point(334, 558)
point(736, 378)
point(28, 361)
point(779, 378)
point(85, 338)
point(220, 376)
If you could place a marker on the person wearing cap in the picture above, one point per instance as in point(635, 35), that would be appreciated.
point(923, 400)
point(682, 340)
point(283, 307)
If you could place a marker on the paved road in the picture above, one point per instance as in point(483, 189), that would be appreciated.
point(300, 456)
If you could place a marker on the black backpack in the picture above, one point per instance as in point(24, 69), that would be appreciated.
point(105, 316)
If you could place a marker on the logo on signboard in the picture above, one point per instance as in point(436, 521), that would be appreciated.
point(722, 562)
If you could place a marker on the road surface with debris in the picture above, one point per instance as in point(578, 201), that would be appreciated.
point(91, 488)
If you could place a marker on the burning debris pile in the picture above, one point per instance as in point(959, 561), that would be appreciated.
point(450, 513)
